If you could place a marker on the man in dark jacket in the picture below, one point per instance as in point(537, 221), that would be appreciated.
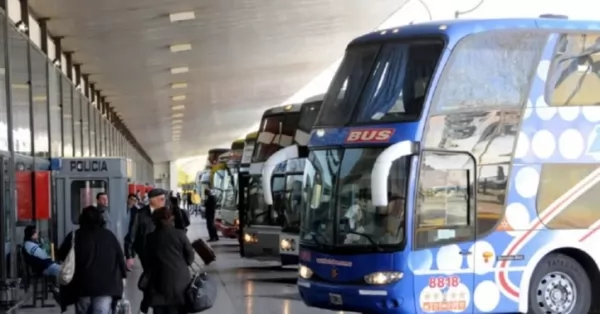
point(211, 209)
point(141, 226)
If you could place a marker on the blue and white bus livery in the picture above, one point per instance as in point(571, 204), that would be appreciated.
point(454, 168)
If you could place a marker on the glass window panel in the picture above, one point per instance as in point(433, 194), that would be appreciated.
point(85, 127)
point(77, 123)
point(55, 119)
point(67, 89)
point(40, 103)
point(20, 93)
point(3, 116)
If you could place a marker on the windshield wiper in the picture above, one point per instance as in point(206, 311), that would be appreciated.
point(368, 237)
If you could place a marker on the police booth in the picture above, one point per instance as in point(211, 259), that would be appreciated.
point(77, 181)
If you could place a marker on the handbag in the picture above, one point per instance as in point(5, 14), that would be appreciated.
point(200, 294)
point(144, 281)
point(206, 253)
point(67, 268)
point(123, 305)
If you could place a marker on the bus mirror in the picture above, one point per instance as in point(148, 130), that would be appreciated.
point(381, 170)
point(278, 157)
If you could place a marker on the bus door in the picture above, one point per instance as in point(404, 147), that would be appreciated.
point(443, 254)
point(77, 181)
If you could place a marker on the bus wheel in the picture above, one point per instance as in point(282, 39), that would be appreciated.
point(559, 285)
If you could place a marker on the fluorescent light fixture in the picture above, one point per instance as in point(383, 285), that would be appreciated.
point(180, 70)
point(180, 48)
point(39, 98)
point(178, 98)
point(176, 127)
point(177, 115)
point(178, 107)
point(20, 86)
point(179, 85)
point(177, 121)
point(182, 16)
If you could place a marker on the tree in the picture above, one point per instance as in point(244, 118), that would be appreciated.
point(183, 178)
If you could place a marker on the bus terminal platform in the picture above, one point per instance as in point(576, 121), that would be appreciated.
point(244, 286)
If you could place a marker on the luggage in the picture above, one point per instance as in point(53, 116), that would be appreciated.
point(206, 253)
point(201, 293)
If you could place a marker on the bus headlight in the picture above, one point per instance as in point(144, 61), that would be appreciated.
point(304, 272)
point(250, 238)
point(383, 278)
point(287, 244)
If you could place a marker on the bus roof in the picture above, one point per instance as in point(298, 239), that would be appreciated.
point(464, 27)
point(282, 110)
point(251, 136)
point(238, 144)
point(218, 151)
point(314, 98)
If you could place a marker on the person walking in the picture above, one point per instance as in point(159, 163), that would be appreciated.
point(182, 218)
point(210, 205)
point(169, 254)
point(99, 266)
point(142, 225)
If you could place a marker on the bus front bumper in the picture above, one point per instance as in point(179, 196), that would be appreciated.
point(362, 299)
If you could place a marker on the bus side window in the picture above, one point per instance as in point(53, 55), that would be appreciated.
point(445, 208)
point(574, 78)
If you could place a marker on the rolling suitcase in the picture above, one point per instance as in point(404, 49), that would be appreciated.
point(206, 253)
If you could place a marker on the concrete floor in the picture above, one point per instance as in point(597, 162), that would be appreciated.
point(246, 286)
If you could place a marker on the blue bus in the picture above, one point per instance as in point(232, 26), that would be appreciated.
point(454, 168)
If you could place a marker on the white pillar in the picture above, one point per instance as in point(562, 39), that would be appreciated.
point(172, 176)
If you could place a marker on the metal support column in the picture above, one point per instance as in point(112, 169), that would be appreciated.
point(12, 208)
point(86, 89)
point(57, 62)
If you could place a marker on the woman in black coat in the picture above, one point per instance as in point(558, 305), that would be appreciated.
point(99, 265)
point(169, 254)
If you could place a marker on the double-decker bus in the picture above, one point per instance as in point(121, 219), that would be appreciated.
point(203, 178)
point(227, 213)
point(453, 168)
point(243, 178)
point(293, 159)
point(262, 223)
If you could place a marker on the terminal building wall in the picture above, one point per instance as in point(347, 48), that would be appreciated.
point(44, 114)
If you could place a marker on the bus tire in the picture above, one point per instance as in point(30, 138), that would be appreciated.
point(559, 285)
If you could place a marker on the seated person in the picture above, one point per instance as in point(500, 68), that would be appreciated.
point(37, 258)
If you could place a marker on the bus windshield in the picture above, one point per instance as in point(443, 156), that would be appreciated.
point(260, 213)
point(275, 132)
point(339, 210)
point(381, 83)
point(293, 196)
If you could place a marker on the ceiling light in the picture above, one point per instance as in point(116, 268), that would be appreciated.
point(182, 16)
point(179, 70)
point(176, 128)
point(20, 86)
point(177, 115)
point(178, 85)
point(177, 121)
point(178, 107)
point(178, 98)
point(181, 48)
point(39, 98)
